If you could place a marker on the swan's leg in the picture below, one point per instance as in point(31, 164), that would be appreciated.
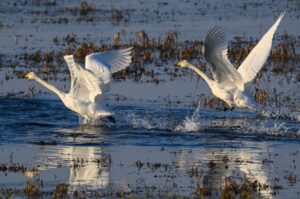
point(89, 122)
point(81, 123)
point(229, 107)
point(74, 136)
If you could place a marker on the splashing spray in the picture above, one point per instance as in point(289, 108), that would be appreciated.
point(190, 124)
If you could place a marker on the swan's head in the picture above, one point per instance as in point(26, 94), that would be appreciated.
point(30, 75)
point(183, 64)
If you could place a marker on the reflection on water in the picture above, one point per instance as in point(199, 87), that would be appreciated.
point(85, 169)
point(144, 152)
point(167, 169)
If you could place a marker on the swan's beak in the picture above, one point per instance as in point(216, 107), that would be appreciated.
point(179, 63)
point(27, 75)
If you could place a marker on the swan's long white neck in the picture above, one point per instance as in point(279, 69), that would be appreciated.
point(52, 88)
point(201, 74)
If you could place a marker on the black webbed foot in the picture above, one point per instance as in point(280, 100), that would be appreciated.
point(111, 119)
point(225, 109)
point(228, 108)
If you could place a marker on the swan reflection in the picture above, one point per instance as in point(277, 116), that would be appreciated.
point(85, 167)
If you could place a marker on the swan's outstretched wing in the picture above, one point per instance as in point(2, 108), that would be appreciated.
point(106, 63)
point(215, 54)
point(258, 56)
point(73, 70)
point(84, 85)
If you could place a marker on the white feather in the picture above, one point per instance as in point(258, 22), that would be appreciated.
point(215, 54)
point(228, 83)
point(88, 85)
point(104, 64)
point(258, 56)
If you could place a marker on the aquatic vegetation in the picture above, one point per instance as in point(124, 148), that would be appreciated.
point(143, 155)
point(116, 42)
point(261, 96)
point(42, 142)
point(202, 191)
point(292, 179)
point(83, 9)
point(139, 164)
point(142, 39)
point(32, 188)
point(61, 190)
point(247, 189)
point(168, 49)
point(211, 164)
point(116, 16)
point(15, 168)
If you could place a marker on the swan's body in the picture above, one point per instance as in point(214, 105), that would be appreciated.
point(228, 83)
point(89, 85)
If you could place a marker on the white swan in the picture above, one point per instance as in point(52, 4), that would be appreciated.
point(228, 83)
point(89, 85)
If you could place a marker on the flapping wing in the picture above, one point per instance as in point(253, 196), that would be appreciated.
point(84, 85)
point(258, 56)
point(106, 63)
point(215, 54)
point(72, 68)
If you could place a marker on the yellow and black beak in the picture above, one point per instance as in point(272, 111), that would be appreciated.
point(178, 63)
point(26, 75)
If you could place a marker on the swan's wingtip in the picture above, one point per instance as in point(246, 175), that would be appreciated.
point(126, 50)
point(215, 28)
point(129, 48)
point(282, 13)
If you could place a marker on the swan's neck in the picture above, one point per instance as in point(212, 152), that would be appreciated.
point(201, 74)
point(50, 87)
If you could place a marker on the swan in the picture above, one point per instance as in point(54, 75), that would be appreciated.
point(228, 83)
point(90, 83)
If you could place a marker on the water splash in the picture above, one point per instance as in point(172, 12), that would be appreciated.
point(278, 128)
point(148, 121)
point(296, 116)
point(190, 124)
point(266, 127)
point(280, 112)
point(138, 122)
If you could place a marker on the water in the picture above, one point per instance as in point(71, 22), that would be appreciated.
point(161, 151)
point(148, 149)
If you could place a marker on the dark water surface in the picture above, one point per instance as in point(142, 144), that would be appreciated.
point(168, 143)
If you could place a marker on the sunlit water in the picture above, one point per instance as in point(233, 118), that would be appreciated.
point(105, 158)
